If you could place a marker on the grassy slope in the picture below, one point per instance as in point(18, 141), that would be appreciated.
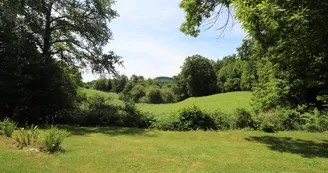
point(91, 92)
point(138, 150)
point(226, 102)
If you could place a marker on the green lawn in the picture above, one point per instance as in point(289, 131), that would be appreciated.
point(225, 102)
point(139, 150)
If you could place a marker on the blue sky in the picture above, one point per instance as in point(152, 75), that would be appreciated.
point(148, 38)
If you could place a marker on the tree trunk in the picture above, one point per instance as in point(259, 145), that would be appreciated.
point(47, 34)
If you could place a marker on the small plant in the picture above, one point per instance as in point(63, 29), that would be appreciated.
point(8, 127)
point(27, 137)
point(53, 139)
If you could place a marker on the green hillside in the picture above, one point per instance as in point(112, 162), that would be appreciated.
point(92, 92)
point(225, 102)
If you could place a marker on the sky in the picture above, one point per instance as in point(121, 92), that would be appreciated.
point(147, 36)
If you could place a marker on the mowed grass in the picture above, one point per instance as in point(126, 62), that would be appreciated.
point(225, 102)
point(139, 150)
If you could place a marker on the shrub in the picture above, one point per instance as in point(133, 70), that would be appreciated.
point(243, 118)
point(269, 122)
point(27, 137)
point(290, 119)
point(130, 116)
point(9, 127)
point(222, 120)
point(97, 111)
point(154, 96)
point(193, 119)
point(53, 139)
point(315, 122)
point(168, 95)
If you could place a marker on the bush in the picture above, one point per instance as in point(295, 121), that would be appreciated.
point(154, 96)
point(269, 122)
point(27, 137)
point(53, 139)
point(97, 111)
point(193, 119)
point(290, 119)
point(8, 127)
point(222, 121)
point(315, 121)
point(243, 118)
point(130, 116)
point(168, 95)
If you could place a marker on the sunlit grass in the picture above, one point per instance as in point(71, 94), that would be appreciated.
point(225, 102)
point(141, 150)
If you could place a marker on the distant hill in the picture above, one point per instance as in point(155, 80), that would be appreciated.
point(163, 80)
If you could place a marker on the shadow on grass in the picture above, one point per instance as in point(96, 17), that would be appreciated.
point(305, 148)
point(112, 131)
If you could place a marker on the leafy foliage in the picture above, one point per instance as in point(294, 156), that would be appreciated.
point(27, 136)
point(53, 139)
point(8, 127)
point(288, 46)
point(197, 78)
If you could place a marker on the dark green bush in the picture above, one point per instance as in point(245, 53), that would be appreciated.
point(193, 119)
point(269, 122)
point(290, 119)
point(98, 111)
point(168, 95)
point(222, 120)
point(315, 121)
point(154, 96)
point(130, 116)
point(243, 118)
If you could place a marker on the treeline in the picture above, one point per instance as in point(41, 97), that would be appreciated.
point(199, 76)
point(137, 89)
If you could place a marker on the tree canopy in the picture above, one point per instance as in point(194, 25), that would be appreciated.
point(288, 41)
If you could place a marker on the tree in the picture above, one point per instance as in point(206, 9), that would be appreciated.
point(101, 84)
point(229, 75)
point(73, 31)
point(119, 83)
point(109, 85)
point(197, 76)
point(289, 36)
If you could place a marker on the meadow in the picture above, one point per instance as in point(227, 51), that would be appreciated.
point(225, 102)
point(104, 149)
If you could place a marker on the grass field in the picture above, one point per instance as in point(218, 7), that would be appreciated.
point(225, 102)
point(91, 92)
point(139, 150)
